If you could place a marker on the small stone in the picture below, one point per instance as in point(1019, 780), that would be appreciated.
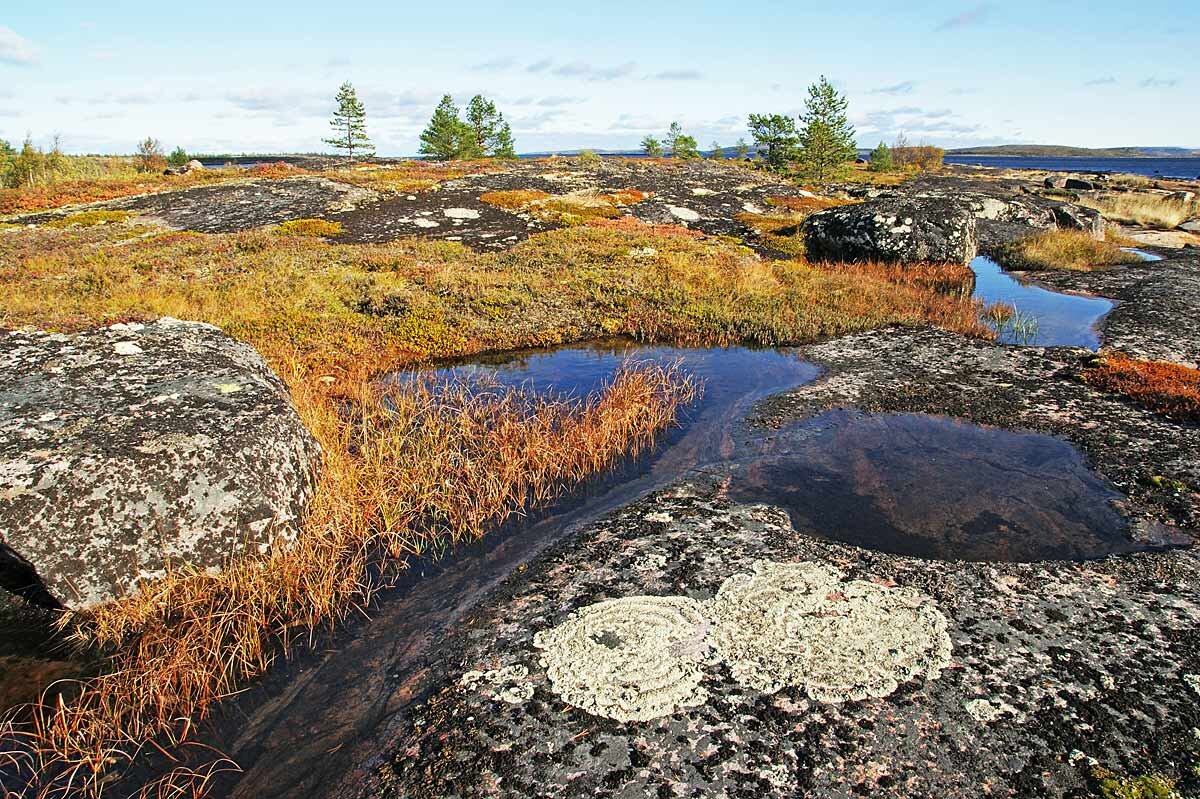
point(127, 348)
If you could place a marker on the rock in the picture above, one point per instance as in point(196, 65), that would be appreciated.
point(194, 166)
point(1055, 182)
point(127, 447)
point(1078, 184)
point(1191, 227)
point(903, 229)
point(1182, 196)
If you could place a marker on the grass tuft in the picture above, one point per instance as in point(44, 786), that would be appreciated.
point(514, 199)
point(1150, 210)
point(1062, 249)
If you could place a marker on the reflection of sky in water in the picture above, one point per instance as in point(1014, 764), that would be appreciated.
point(933, 487)
point(1062, 319)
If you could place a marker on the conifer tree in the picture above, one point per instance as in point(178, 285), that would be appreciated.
point(827, 138)
point(776, 134)
point(881, 158)
point(349, 123)
point(685, 148)
point(484, 122)
point(652, 147)
point(718, 152)
point(673, 135)
point(446, 137)
point(504, 146)
point(742, 149)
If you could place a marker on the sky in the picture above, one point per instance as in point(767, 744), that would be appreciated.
point(260, 77)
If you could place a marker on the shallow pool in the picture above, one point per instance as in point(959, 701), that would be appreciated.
point(934, 487)
point(1044, 318)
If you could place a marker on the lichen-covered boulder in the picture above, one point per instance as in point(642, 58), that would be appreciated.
point(130, 448)
point(893, 229)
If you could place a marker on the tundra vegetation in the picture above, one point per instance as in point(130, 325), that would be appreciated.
point(420, 466)
point(1140, 208)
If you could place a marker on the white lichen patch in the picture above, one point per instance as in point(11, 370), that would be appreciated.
point(686, 214)
point(802, 624)
point(508, 684)
point(461, 213)
point(1193, 681)
point(630, 659)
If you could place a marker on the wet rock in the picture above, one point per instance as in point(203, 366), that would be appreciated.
point(893, 229)
point(130, 447)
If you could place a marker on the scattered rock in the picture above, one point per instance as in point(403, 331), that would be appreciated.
point(128, 447)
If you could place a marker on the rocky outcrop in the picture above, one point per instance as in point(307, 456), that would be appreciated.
point(130, 448)
point(893, 229)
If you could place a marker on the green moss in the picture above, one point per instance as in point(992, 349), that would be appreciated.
point(309, 227)
point(1110, 785)
point(89, 219)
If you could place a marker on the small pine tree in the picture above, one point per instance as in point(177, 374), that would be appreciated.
point(881, 159)
point(673, 135)
point(718, 152)
point(178, 157)
point(349, 123)
point(742, 149)
point(685, 148)
point(776, 134)
point(504, 146)
point(446, 137)
point(652, 147)
point(827, 138)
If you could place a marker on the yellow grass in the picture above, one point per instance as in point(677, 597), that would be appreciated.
point(1151, 210)
point(1063, 249)
point(309, 227)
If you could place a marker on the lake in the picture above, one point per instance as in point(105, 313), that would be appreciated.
point(1150, 167)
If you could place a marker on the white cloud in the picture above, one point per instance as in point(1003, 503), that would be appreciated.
point(15, 49)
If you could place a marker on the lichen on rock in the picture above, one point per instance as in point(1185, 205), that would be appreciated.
point(629, 659)
point(802, 624)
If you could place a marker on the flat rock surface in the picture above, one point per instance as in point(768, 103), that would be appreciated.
point(127, 447)
point(1053, 666)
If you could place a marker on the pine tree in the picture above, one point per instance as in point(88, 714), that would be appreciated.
point(827, 138)
point(673, 135)
point(777, 134)
point(504, 146)
point(742, 149)
point(446, 137)
point(178, 157)
point(718, 152)
point(652, 147)
point(881, 158)
point(484, 121)
point(349, 123)
point(685, 148)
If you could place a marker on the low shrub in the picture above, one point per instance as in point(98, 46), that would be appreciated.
point(1167, 388)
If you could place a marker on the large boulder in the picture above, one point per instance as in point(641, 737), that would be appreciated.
point(128, 448)
point(893, 229)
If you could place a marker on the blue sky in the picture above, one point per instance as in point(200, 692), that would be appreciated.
point(227, 76)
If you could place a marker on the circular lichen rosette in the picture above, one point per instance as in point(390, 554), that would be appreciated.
point(802, 624)
point(630, 659)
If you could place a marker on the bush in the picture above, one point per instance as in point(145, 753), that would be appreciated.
point(149, 157)
point(589, 159)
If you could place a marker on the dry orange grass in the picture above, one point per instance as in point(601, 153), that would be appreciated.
point(319, 228)
point(1167, 388)
point(410, 468)
point(512, 199)
point(1151, 210)
point(948, 278)
point(807, 203)
point(631, 224)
